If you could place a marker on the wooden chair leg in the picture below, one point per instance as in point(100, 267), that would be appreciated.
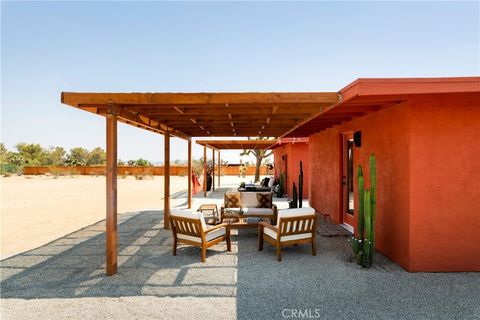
point(314, 247)
point(174, 247)
point(229, 241)
point(279, 252)
point(260, 242)
point(204, 253)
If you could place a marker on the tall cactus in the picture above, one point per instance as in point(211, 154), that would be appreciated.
point(357, 242)
point(294, 196)
point(364, 243)
point(300, 186)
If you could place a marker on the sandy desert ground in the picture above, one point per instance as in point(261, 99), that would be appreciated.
point(38, 209)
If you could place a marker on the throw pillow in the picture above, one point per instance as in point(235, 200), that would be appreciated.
point(264, 200)
point(232, 200)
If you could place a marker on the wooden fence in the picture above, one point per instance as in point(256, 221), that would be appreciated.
point(131, 170)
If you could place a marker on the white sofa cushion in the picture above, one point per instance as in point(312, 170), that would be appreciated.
point(189, 213)
point(258, 211)
point(273, 234)
point(271, 182)
point(210, 236)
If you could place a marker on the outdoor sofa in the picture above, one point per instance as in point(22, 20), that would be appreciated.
point(250, 205)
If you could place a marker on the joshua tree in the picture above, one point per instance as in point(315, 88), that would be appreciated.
point(259, 156)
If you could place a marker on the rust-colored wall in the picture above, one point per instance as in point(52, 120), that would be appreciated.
point(445, 183)
point(384, 133)
point(295, 152)
point(428, 179)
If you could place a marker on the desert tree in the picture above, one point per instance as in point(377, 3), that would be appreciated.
point(259, 155)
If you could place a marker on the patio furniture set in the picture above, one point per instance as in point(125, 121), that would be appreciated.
point(278, 228)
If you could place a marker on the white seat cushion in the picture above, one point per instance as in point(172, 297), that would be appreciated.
point(272, 234)
point(210, 236)
point(189, 213)
point(258, 211)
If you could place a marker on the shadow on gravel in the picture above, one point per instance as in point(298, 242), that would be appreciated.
point(73, 266)
point(327, 286)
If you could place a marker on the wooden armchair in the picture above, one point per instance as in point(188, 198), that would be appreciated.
point(294, 226)
point(189, 227)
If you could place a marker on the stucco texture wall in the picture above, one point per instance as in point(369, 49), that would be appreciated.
point(428, 179)
point(445, 183)
point(295, 152)
point(385, 134)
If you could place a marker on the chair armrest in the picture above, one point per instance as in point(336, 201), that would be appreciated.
point(268, 225)
point(218, 226)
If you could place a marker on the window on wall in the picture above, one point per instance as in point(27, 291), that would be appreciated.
point(350, 197)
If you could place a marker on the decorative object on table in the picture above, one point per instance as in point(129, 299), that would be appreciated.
point(242, 185)
point(294, 226)
point(364, 243)
point(189, 227)
point(300, 186)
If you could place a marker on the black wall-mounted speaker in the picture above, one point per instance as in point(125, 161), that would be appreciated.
point(357, 138)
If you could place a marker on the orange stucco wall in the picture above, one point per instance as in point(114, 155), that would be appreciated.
point(295, 152)
point(428, 172)
point(384, 133)
point(445, 183)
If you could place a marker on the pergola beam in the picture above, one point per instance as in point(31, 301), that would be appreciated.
point(169, 99)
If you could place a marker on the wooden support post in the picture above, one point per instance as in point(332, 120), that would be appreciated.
point(166, 187)
point(204, 171)
point(219, 168)
point(213, 169)
point(111, 172)
point(189, 196)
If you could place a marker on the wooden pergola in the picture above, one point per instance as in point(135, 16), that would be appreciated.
point(217, 145)
point(187, 115)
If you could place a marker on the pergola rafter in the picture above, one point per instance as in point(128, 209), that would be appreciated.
point(187, 115)
point(227, 114)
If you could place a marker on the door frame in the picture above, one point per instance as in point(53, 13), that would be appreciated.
point(347, 220)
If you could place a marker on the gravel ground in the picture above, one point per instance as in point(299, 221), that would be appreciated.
point(65, 279)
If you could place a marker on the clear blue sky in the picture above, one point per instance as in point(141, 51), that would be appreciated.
point(189, 47)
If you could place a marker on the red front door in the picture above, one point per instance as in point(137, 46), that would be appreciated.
point(347, 196)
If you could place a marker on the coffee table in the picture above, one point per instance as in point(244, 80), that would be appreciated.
point(236, 219)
